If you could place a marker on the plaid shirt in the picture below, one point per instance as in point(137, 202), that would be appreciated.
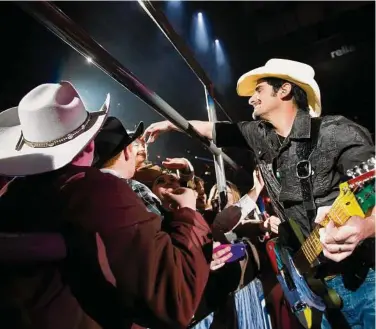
point(151, 201)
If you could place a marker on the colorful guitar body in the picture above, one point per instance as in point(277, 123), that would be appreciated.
point(296, 290)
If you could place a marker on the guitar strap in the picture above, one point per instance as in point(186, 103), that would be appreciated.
point(243, 265)
point(304, 169)
point(273, 188)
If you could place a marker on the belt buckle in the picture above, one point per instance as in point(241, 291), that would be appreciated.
point(303, 169)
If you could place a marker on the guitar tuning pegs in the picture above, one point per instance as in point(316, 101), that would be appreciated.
point(357, 170)
point(350, 173)
point(371, 162)
point(365, 166)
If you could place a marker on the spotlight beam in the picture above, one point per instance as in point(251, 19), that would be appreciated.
point(49, 15)
point(200, 34)
point(164, 25)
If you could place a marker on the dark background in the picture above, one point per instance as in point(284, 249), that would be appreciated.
point(250, 33)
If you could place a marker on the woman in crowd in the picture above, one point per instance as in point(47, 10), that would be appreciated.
point(233, 196)
point(243, 308)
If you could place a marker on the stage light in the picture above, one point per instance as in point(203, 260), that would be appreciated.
point(175, 14)
point(223, 69)
point(219, 54)
point(200, 34)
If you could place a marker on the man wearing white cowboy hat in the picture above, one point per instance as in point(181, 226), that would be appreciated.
point(302, 159)
point(126, 277)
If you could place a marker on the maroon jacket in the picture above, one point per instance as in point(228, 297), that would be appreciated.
point(160, 276)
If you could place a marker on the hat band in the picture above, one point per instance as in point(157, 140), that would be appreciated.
point(68, 137)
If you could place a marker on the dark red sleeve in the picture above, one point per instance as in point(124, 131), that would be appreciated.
point(160, 277)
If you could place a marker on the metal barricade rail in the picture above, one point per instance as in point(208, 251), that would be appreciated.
point(71, 33)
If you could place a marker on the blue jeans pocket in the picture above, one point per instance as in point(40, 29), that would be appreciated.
point(358, 306)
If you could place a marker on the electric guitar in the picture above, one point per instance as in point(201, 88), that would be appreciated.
point(297, 270)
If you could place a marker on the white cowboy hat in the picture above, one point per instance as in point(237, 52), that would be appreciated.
point(299, 73)
point(47, 130)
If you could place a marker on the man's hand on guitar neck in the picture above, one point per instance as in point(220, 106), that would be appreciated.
point(339, 242)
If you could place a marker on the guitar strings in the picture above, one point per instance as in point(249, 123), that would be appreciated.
point(312, 247)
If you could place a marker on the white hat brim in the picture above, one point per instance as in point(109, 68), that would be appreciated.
point(29, 160)
point(247, 84)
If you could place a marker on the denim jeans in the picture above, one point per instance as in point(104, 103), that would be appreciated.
point(358, 306)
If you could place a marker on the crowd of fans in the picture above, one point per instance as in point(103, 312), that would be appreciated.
point(115, 241)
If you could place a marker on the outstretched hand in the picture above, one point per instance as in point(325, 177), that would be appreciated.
point(272, 224)
point(258, 185)
point(175, 163)
point(152, 132)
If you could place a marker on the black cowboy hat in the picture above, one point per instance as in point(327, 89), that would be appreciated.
point(112, 139)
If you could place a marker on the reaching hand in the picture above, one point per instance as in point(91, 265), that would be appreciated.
point(258, 182)
point(272, 224)
point(183, 197)
point(155, 129)
point(220, 257)
point(258, 185)
point(175, 163)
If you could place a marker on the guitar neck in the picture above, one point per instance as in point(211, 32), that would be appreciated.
point(338, 214)
point(312, 247)
point(356, 198)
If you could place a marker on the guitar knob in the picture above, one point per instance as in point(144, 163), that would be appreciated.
point(350, 173)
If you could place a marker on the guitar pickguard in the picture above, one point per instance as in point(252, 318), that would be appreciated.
point(295, 288)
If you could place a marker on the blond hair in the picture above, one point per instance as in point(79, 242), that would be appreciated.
point(235, 192)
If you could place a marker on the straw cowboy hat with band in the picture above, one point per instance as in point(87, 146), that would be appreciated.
point(298, 73)
point(47, 130)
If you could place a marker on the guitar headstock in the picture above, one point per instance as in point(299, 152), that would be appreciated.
point(362, 173)
point(361, 186)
